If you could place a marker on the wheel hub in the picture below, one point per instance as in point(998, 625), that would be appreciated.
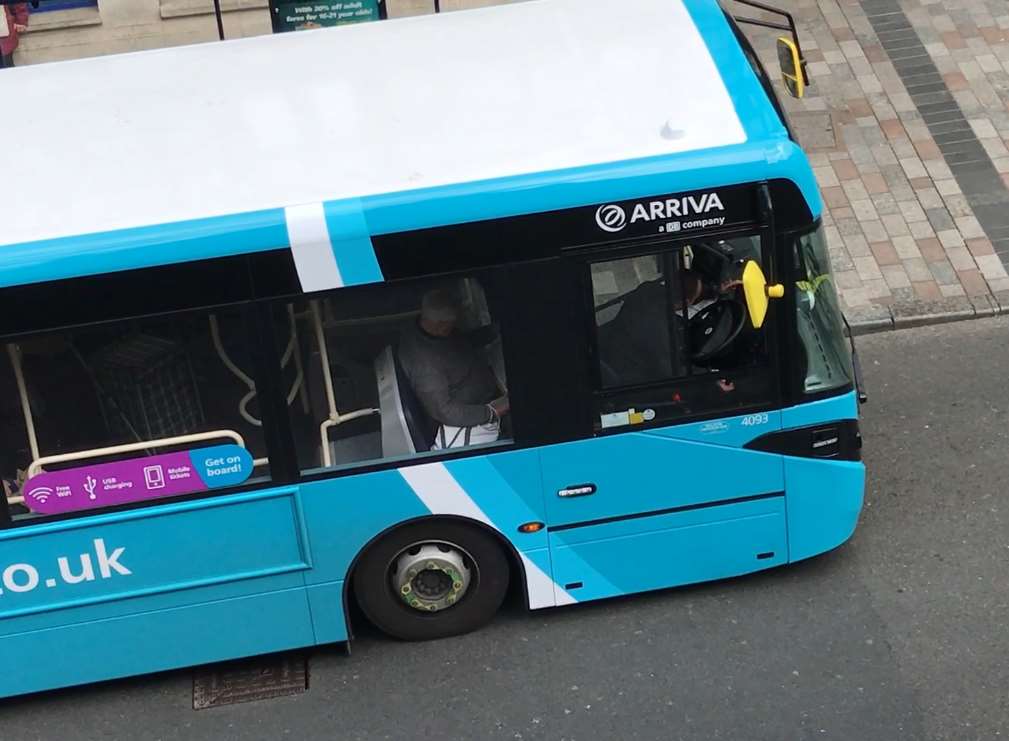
point(431, 577)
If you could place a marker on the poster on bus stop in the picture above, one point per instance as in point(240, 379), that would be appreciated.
point(289, 15)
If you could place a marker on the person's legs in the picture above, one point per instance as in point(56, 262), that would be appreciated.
point(6, 61)
point(461, 437)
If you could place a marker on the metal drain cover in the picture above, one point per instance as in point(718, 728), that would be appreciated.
point(249, 680)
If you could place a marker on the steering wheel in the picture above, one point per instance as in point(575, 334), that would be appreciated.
point(714, 328)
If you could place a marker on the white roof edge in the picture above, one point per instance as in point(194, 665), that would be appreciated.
point(299, 118)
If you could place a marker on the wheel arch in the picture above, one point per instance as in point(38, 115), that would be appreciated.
point(516, 568)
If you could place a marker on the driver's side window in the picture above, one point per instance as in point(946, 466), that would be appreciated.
point(637, 337)
point(673, 338)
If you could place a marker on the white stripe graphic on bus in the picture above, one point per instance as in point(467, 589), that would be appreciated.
point(312, 247)
point(435, 486)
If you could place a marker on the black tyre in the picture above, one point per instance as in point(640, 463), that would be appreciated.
point(431, 579)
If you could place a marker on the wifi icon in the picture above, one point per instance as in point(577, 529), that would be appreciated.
point(40, 494)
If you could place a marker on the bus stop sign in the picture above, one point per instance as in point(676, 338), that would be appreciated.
point(290, 15)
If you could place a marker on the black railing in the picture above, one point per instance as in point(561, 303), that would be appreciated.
point(220, 20)
point(790, 27)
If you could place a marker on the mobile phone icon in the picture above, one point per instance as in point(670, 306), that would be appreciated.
point(154, 476)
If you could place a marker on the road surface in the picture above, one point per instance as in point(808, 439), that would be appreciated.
point(900, 634)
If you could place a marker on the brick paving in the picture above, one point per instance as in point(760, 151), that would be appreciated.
point(901, 229)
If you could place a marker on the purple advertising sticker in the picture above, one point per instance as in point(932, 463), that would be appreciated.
point(137, 479)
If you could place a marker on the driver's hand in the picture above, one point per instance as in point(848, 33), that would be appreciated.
point(730, 284)
point(726, 386)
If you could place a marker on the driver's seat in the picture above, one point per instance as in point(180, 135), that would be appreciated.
point(634, 345)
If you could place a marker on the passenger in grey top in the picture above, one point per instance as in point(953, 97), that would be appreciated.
point(447, 368)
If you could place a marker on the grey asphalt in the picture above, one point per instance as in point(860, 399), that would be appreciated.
point(899, 634)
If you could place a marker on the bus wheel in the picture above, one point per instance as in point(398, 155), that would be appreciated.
point(431, 580)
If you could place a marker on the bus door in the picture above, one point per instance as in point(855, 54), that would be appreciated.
point(660, 491)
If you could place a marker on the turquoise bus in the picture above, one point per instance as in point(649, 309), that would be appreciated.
point(409, 316)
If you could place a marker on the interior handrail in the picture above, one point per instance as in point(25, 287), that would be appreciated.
point(36, 465)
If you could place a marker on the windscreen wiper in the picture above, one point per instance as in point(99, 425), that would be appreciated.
point(855, 364)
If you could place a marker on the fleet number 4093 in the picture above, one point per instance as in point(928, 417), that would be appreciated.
point(753, 420)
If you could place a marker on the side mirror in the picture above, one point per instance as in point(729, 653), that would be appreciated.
point(758, 293)
point(792, 72)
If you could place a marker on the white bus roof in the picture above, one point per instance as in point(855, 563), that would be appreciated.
point(221, 128)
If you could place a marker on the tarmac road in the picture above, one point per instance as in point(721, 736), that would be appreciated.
point(899, 634)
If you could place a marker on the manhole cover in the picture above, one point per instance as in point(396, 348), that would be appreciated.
point(815, 130)
point(253, 679)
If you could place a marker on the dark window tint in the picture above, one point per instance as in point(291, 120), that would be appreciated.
point(638, 335)
point(122, 407)
point(673, 335)
point(393, 371)
point(827, 360)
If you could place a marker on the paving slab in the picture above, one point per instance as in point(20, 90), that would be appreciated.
point(917, 150)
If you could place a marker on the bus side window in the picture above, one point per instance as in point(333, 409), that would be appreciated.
point(119, 413)
point(392, 371)
point(672, 334)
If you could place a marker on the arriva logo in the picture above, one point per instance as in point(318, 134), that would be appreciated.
point(613, 218)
